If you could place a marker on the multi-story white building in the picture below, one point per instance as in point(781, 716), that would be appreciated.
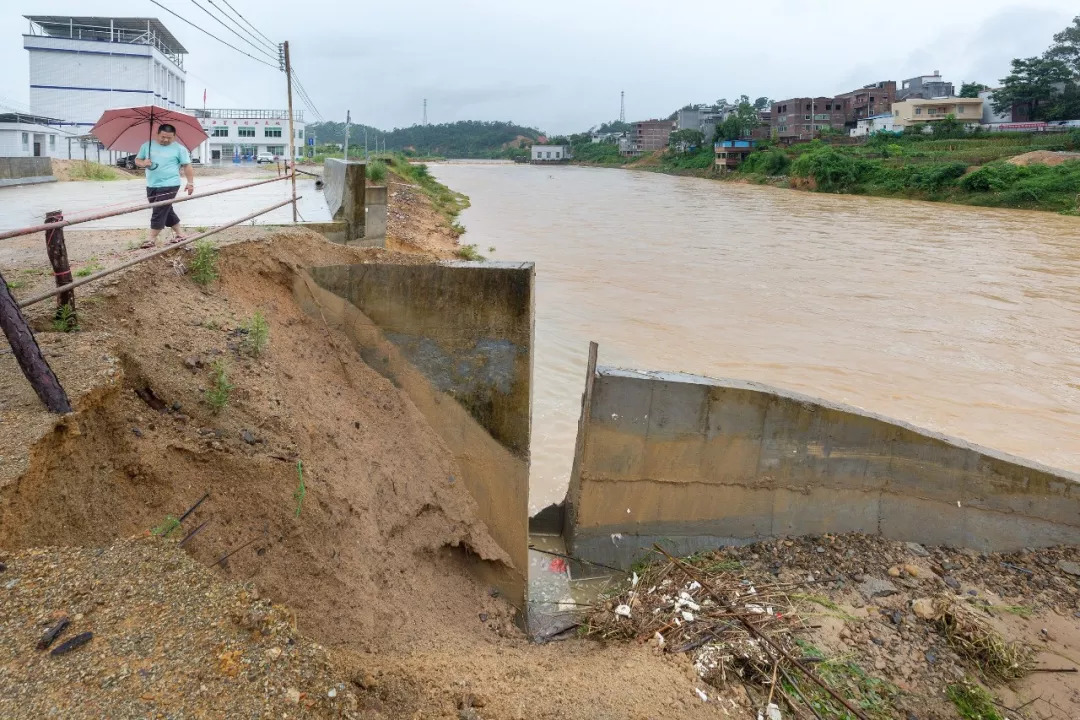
point(82, 66)
point(243, 135)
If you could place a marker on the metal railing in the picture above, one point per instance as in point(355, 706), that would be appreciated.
point(19, 335)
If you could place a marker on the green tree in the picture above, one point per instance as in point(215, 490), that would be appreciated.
point(1066, 47)
point(972, 89)
point(949, 127)
point(1035, 84)
point(689, 138)
point(762, 103)
point(740, 123)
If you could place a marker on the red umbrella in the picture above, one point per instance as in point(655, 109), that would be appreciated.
point(128, 128)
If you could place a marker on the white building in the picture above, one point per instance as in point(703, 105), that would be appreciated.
point(24, 135)
point(82, 66)
point(243, 135)
point(874, 124)
point(550, 153)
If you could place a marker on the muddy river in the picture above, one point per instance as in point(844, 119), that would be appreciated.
point(962, 320)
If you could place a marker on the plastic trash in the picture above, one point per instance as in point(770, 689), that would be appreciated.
point(773, 712)
point(702, 695)
point(687, 616)
point(623, 611)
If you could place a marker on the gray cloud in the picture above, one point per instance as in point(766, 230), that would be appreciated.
point(560, 65)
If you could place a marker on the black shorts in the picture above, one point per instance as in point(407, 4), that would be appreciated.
point(163, 216)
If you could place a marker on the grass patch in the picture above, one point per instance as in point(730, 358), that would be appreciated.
point(376, 171)
point(301, 489)
point(870, 694)
point(86, 170)
point(203, 266)
point(491, 248)
point(15, 284)
point(65, 319)
point(713, 563)
point(973, 702)
point(258, 334)
point(167, 526)
point(217, 395)
point(978, 643)
point(822, 601)
point(89, 268)
point(468, 252)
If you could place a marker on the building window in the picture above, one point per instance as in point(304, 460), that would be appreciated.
point(299, 134)
point(557, 155)
point(220, 131)
point(245, 131)
point(275, 149)
point(272, 132)
point(959, 108)
point(26, 141)
point(918, 111)
point(52, 141)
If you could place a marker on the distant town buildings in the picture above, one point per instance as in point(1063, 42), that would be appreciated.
point(925, 87)
point(909, 112)
point(646, 136)
point(805, 118)
point(731, 153)
point(543, 154)
point(236, 135)
point(874, 124)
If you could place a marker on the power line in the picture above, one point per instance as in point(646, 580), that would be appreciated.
point(306, 97)
point(246, 21)
point(205, 32)
point(222, 24)
point(268, 45)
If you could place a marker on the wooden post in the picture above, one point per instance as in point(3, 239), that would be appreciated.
point(27, 352)
point(57, 249)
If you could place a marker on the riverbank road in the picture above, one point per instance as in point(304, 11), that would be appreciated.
point(26, 205)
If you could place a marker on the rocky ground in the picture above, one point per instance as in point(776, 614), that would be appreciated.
point(869, 614)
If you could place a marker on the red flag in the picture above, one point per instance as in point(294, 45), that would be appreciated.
point(204, 98)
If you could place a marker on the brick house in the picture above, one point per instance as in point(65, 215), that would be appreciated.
point(868, 101)
point(647, 136)
point(805, 118)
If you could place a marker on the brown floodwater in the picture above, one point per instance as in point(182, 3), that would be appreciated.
point(962, 320)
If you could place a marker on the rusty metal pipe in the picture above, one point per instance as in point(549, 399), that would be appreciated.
point(123, 211)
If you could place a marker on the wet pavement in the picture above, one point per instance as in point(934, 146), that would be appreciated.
point(27, 205)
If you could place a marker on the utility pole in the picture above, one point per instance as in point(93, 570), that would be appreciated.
point(292, 130)
point(622, 106)
point(348, 119)
point(425, 111)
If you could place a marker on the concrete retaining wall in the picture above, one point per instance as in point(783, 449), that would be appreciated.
point(457, 337)
point(694, 463)
point(375, 207)
point(25, 170)
point(344, 185)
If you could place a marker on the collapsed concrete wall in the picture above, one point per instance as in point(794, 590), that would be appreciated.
point(344, 186)
point(25, 170)
point(458, 338)
point(693, 463)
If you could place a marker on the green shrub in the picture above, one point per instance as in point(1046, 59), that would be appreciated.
point(258, 334)
point(204, 264)
point(217, 395)
point(376, 171)
point(469, 252)
point(65, 319)
point(766, 162)
point(832, 170)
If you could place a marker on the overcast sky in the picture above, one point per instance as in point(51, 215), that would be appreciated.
point(559, 65)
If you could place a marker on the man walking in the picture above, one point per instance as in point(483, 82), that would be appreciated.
point(163, 159)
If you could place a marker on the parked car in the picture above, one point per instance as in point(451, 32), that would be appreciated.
point(265, 158)
point(126, 161)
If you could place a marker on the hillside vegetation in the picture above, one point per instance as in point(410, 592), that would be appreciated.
point(463, 139)
point(974, 170)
